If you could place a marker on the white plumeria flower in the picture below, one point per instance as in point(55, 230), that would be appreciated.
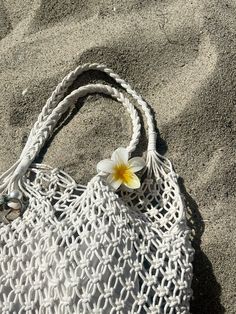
point(120, 170)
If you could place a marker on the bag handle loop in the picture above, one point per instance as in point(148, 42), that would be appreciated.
point(59, 92)
point(56, 105)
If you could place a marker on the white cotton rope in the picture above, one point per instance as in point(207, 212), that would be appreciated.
point(90, 249)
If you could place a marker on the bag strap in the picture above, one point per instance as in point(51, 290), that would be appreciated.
point(59, 93)
point(57, 104)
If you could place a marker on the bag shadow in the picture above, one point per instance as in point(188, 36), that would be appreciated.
point(206, 289)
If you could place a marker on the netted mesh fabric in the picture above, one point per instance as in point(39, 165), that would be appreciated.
point(90, 249)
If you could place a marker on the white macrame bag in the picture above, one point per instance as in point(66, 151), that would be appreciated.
point(91, 249)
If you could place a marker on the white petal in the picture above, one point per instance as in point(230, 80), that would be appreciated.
point(133, 183)
point(114, 183)
point(137, 163)
point(120, 155)
point(105, 165)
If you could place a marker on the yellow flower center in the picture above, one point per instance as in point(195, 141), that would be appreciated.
point(122, 172)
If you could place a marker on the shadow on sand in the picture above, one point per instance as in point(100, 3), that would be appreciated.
point(206, 289)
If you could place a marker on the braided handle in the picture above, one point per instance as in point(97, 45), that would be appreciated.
point(59, 92)
point(57, 104)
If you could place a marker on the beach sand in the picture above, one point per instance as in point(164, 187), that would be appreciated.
point(181, 57)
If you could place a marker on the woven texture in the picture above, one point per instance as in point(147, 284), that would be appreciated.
point(90, 249)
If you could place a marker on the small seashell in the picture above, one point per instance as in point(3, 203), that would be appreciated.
point(15, 194)
point(14, 205)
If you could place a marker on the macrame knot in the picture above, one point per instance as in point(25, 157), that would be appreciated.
point(150, 280)
point(117, 271)
point(173, 301)
point(7, 306)
point(29, 305)
point(23, 166)
point(107, 291)
point(152, 141)
point(182, 284)
point(141, 299)
point(47, 302)
point(19, 288)
point(162, 291)
point(119, 305)
point(66, 301)
point(86, 297)
point(129, 284)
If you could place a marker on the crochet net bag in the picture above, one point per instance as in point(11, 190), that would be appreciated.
point(91, 249)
